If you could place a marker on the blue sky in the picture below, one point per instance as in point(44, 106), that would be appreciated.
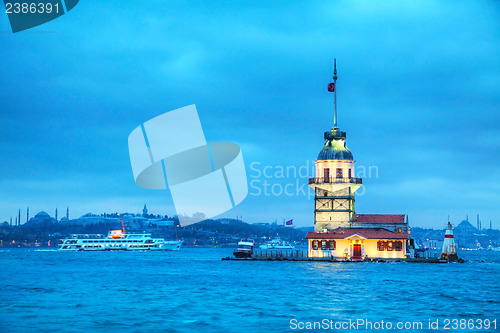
point(418, 95)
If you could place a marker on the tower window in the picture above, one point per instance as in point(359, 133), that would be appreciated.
point(326, 173)
point(339, 173)
point(350, 173)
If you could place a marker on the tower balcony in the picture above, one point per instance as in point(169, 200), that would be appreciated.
point(334, 180)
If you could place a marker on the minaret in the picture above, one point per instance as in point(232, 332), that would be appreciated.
point(17, 224)
point(56, 214)
point(67, 213)
point(145, 210)
point(11, 221)
point(335, 182)
point(19, 216)
point(27, 213)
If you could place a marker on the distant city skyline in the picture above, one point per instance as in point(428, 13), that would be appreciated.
point(418, 95)
point(478, 223)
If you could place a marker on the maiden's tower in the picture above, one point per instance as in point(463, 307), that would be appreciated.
point(338, 231)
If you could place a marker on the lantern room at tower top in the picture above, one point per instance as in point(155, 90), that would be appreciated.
point(338, 230)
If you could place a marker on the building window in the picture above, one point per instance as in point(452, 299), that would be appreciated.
point(389, 246)
point(398, 246)
point(315, 245)
point(326, 173)
point(350, 173)
point(330, 245)
point(399, 229)
point(323, 245)
point(325, 194)
point(339, 173)
point(381, 245)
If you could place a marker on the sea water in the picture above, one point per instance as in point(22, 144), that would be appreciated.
point(193, 290)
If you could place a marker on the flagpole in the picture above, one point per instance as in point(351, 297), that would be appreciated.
point(335, 93)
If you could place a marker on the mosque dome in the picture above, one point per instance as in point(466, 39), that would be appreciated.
point(42, 215)
point(335, 147)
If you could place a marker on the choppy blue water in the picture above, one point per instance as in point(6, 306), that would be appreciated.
point(194, 291)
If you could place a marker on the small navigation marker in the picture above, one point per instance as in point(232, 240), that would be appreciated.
point(449, 251)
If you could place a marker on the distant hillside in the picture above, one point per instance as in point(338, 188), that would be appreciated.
point(466, 236)
point(230, 230)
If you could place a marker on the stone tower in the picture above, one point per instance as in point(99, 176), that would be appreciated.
point(334, 183)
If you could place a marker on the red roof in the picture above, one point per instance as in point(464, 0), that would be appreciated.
point(379, 218)
point(368, 233)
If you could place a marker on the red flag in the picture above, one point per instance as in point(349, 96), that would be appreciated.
point(289, 222)
point(331, 87)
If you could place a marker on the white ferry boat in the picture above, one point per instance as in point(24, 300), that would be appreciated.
point(277, 244)
point(245, 248)
point(116, 240)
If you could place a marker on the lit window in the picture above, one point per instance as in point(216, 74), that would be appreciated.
point(339, 173)
point(332, 245)
point(389, 246)
point(399, 229)
point(315, 245)
point(326, 173)
point(323, 245)
point(380, 245)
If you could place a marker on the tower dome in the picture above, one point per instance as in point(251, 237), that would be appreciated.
point(335, 147)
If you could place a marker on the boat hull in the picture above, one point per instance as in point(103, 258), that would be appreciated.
point(171, 245)
point(239, 254)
